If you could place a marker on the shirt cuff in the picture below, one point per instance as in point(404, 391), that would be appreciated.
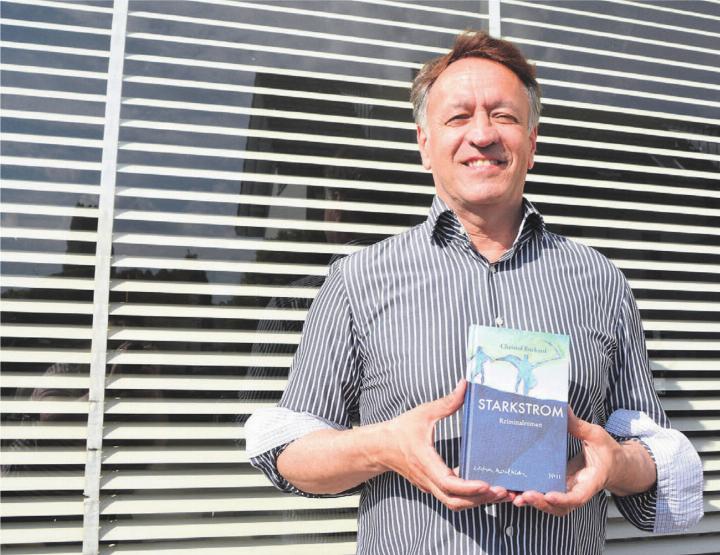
point(679, 489)
point(270, 430)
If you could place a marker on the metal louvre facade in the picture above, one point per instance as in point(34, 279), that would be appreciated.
point(177, 176)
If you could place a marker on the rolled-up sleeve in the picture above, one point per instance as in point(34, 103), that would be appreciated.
point(323, 384)
point(269, 431)
point(675, 502)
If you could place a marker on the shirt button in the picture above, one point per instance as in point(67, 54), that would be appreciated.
point(509, 531)
point(493, 269)
point(499, 321)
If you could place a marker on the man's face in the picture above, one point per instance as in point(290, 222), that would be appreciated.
point(476, 141)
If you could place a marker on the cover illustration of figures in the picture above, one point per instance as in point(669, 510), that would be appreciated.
point(515, 412)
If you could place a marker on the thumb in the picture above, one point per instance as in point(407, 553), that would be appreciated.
point(577, 427)
point(445, 406)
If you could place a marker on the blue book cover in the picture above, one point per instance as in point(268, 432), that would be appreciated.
point(514, 431)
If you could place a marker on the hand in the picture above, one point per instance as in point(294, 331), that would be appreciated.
point(590, 471)
point(408, 449)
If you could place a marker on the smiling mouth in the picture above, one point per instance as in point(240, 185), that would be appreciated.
point(480, 163)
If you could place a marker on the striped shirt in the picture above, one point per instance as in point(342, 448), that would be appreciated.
point(387, 332)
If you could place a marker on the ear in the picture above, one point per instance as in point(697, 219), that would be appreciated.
point(422, 140)
point(533, 147)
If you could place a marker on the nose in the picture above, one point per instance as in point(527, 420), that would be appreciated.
point(482, 133)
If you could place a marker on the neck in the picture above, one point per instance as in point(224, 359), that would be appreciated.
point(492, 230)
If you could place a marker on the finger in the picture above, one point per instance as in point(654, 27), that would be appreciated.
point(540, 502)
point(459, 503)
point(452, 485)
point(445, 406)
point(580, 494)
point(446, 480)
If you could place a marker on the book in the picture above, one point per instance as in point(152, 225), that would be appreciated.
point(514, 431)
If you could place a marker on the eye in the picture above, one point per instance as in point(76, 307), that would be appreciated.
point(457, 117)
point(506, 117)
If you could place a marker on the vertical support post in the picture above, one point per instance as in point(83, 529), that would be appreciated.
point(101, 297)
point(494, 17)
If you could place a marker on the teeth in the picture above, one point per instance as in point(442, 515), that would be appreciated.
point(479, 163)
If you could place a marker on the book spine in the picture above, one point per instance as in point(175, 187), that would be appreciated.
point(465, 428)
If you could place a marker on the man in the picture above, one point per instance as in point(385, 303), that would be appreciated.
point(384, 343)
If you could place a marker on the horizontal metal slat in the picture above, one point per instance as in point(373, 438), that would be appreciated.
point(51, 116)
point(239, 176)
point(36, 506)
point(48, 234)
point(51, 140)
point(67, 6)
point(232, 243)
point(665, 545)
point(52, 531)
point(185, 358)
point(186, 406)
point(690, 365)
point(176, 528)
point(690, 306)
point(183, 311)
point(644, 245)
point(681, 325)
point(187, 479)
point(669, 285)
point(251, 111)
point(687, 384)
point(54, 26)
point(219, 502)
point(696, 424)
point(172, 431)
point(270, 291)
point(196, 383)
point(53, 163)
point(35, 282)
point(43, 456)
point(631, 224)
point(48, 210)
point(57, 406)
point(46, 331)
point(213, 219)
point(34, 257)
point(43, 549)
point(43, 430)
point(327, 545)
point(201, 335)
point(704, 444)
point(50, 186)
point(173, 455)
point(31, 47)
point(47, 307)
point(43, 481)
point(48, 356)
point(681, 345)
point(677, 191)
point(693, 403)
point(216, 265)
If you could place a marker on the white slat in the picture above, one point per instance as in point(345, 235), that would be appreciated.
point(220, 502)
point(175, 528)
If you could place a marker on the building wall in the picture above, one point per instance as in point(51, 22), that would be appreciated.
point(177, 176)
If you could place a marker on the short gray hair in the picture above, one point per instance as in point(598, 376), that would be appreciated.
point(477, 44)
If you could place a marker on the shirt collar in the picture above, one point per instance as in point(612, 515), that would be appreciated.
point(443, 225)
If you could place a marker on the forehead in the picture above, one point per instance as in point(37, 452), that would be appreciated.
point(476, 79)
